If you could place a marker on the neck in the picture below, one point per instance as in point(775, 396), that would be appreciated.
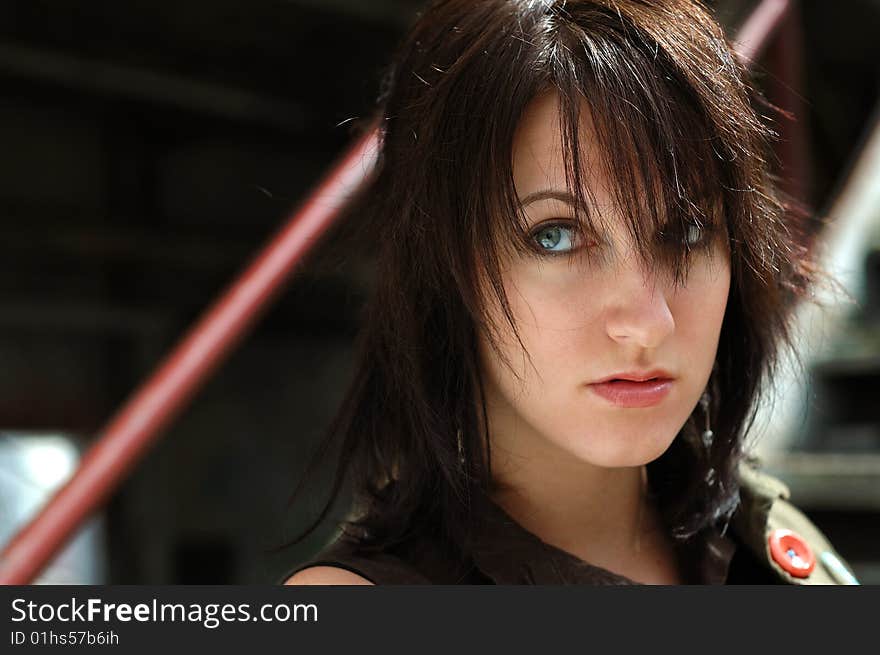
point(583, 509)
point(604, 516)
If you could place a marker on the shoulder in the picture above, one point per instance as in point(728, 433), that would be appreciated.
point(345, 562)
point(780, 535)
point(326, 575)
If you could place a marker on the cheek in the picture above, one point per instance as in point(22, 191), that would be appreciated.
point(699, 310)
point(555, 316)
point(554, 297)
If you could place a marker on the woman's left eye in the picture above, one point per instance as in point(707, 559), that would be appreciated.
point(694, 234)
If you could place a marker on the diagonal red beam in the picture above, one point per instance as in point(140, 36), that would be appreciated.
point(755, 34)
point(784, 88)
point(151, 408)
point(154, 405)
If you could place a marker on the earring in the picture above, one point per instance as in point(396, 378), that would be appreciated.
point(707, 435)
point(461, 459)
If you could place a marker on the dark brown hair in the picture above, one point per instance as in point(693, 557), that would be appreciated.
point(673, 112)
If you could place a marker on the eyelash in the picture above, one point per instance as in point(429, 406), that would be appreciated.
point(704, 242)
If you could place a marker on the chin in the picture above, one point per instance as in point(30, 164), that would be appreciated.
point(627, 453)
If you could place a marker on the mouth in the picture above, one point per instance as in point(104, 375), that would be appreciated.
point(623, 392)
point(639, 376)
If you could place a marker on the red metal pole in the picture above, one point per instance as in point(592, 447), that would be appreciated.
point(150, 409)
point(785, 61)
point(755, 33)
point(774, 30)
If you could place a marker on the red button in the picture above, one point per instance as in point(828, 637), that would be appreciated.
point(791, 552)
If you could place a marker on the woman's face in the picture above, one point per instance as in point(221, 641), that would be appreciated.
point(593, 311)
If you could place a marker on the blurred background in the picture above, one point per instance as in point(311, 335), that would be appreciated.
point(149, 148)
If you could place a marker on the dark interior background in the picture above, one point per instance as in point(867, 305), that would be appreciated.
point(147, 149)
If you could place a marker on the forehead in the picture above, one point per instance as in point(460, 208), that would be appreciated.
point(537, 151)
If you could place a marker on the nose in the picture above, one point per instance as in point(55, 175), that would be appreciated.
point(638, 314)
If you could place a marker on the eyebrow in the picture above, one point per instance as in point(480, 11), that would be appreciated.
point(549, 194)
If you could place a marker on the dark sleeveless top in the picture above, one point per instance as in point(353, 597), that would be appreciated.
point(507, 553)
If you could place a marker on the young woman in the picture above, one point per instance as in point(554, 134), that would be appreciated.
point(586, 277)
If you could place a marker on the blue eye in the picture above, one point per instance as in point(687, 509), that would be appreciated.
point(555, 239)
point(694, 234)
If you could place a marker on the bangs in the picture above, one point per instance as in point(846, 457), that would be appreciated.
point(652, 136)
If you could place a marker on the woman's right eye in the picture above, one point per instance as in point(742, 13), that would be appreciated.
point(555, 238)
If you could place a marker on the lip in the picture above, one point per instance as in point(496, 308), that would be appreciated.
point(631, 393)
point(638, 376)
